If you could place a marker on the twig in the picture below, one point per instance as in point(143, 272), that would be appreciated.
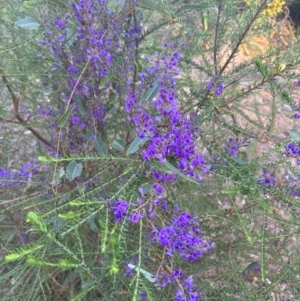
point(16, 112)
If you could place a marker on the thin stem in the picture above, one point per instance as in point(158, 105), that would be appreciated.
point(16, 112)
point(241, 38)
point(136, 50)
point(216, 37)
point(235, 49)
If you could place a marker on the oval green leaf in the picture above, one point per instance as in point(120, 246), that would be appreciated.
point(99, 146)
point(135, 145)
point(73, 170)
point(65, 117)
point(294, 134)
point(118, 144)
point(152, 91)
point(239, 160)
point(149, 276)
point(27, 23)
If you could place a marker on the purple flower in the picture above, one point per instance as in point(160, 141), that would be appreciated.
point(180, 295)
point(219, 90)
point(120, 210)
point(213, 84)
point(267, 179)
point(297, 116)
point(152, 215)
point(158, 188)
point(75, 120)
point(143, 296)
point(233, 145)
point(23, 238)
point(60, 24)
point(135, 217)
point(142, 75)
point(184, 237)
point(127, 270)
point(73, 69)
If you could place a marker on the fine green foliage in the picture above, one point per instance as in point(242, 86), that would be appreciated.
point(67, 166)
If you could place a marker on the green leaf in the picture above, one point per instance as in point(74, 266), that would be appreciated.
point(34, 261)
point(251, 269)
point(258, 64)
point(37, 220)
point(239, 160)
point(31, 3)
point(146, 188)
point(43, 159)
point(21, 253)
point(69, 216)
point(70, 37)
point(65, 117)
point(81, 188)
point(82, 108)
point(263, 69)
point(294, 134)
point(135, 145)
point(61, 173)
point(118, 144)
point(92, 224)
point(100, 147)
point(82, 203)
point(98, 144)
point(27, 23)
point(177, 171)
point(147, 275)
point(67, 264)
point(73, 170)
point(150, 94)
point(153, 5)
point(286, 97)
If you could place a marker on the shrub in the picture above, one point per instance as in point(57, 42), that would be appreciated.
point(150, 162)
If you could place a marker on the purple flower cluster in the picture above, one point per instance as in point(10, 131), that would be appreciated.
point(191, 293)
point(233, 145)
point(183, 237)
point(293, 150)
point(185, 288)
point(164, 177)
point(215, 86)
point(294, 190)
point(292, 184)
point(120, 209)
point(143, 296)
point(84, 46)
point(127, 270)
point(170, 133)
point(18, 178)
point(267, 179)
point(46, 111)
